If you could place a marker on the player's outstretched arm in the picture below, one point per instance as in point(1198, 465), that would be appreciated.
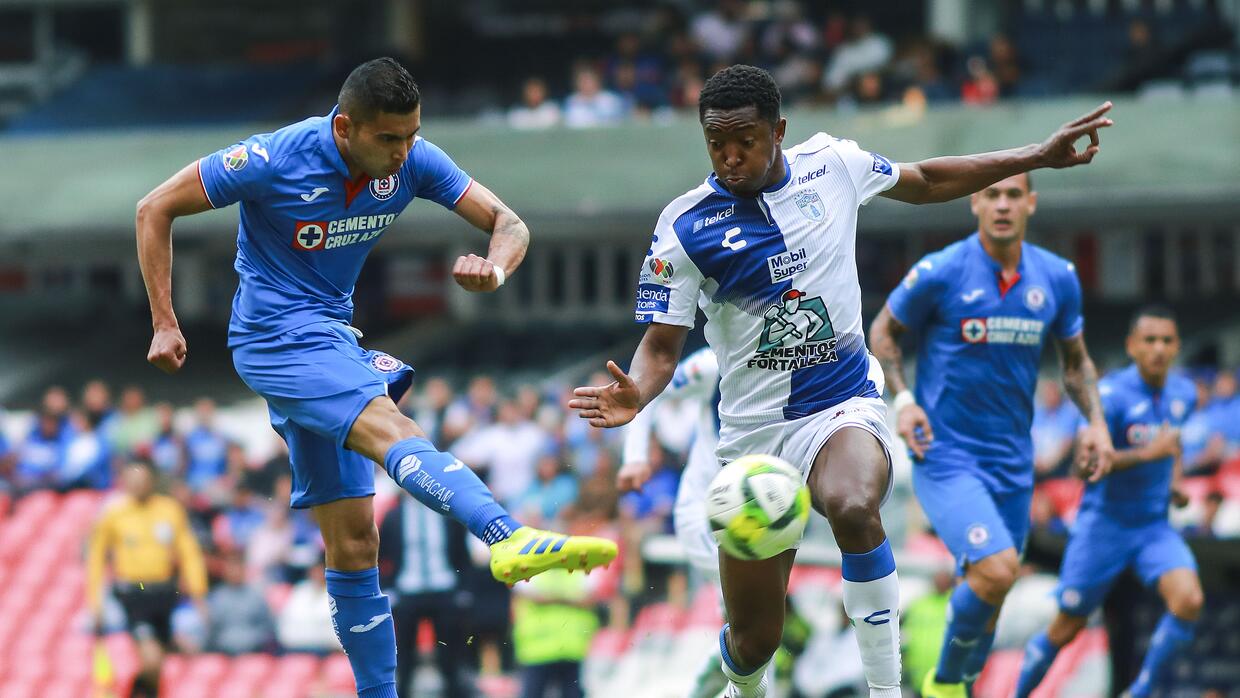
point(946, 178)
point(509, 239)
point(654, 362)
point(180, 195)
point(911, 421)
point(1095, 453)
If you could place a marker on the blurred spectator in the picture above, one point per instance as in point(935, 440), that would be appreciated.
point(147, 538)
point(305, 622)
point(38, 459)
point(237, 523)
point(424, 562)
point(1005, 64)
point(475, 409)
point(136, 424)
point(1209, 513)
point(789, 44)
point(207, 448)
point(167, 449)
point(429, 408)
point(641, 70)
point(508, 450)
point(1202, 444)
point(551, 493)
point(535, 111)
point(922, 625)
point(590, 105)
point(1054, 429)
point(269, 547)
point(721, 31)
point(553, 623)
point(864, 51)
point(1225, 413)
point(1042, 515)
point(240, 620)
point(980, 87)
point(97, 406)
point(686, 85)
point(921, 67)
point(653, 503)
point(831, 663)
point(87, 462)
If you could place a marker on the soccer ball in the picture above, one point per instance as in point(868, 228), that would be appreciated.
point(757, 507)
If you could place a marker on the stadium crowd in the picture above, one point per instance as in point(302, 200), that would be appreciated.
point(266, 588)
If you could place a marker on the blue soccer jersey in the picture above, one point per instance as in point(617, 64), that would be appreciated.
point(980, 342)
point(306, 228)
point(1135, 412)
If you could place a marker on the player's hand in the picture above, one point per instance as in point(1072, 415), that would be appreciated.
point(1060, 149)
point(632, 476)
point(1094, 453)
point(474, 273)
point(168, 350)
point(1166, 443)
point(914, 427)
point(610, 405)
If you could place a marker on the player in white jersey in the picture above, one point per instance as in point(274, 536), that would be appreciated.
point(766, 247)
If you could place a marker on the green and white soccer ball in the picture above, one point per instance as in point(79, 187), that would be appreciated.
point(758, 507)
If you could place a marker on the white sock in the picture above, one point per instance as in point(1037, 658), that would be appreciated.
point(874, 608)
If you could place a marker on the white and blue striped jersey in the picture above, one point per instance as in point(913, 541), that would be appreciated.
point(776, 276)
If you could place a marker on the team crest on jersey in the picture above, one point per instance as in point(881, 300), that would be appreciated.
point(384, 189)
point(237, 158)
point(1070, 598)
point(810, 204)
point(310, 235)
point(977, 535)
point(385, 362)
point(1035, 298)
point(797, 333)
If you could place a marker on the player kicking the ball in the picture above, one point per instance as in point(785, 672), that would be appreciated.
point(315, 198)
point(777, 229)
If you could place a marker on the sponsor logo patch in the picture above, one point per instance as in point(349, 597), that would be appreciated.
point(661, 270)
point(236, 159)
point(652, 298)
point(310, 235)
point(797, 334)
point(1002, 330)
point(881, 164)
point(786, 265)
point(711, 220)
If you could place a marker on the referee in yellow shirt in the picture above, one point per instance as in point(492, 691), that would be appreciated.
point(148, 540)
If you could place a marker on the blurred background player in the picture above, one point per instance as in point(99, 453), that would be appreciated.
point(145, 538)
point(981, 310)
point(1123, 519)
point(316, 196)
point(765, 228)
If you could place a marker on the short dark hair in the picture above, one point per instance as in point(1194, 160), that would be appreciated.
point(739, 86)
point(144, 463)
point(1161, 312)
point(381, 85)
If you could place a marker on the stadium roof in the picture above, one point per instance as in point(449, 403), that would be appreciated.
point(1159, 157)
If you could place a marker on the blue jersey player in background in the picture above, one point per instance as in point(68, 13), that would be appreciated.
point(1122, 522)
point(315, 197)
point(981, 310)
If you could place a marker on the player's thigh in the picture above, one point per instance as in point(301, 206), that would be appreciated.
point(323, 470)
point(350, 537)
point(1096, 555)
point(754, 593)
point(963, 512)
point(1164, 560)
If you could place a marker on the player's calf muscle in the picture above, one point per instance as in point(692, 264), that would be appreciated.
point(379, 426)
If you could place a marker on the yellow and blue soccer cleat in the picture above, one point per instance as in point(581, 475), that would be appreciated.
point(933, 689)
point(530, 551)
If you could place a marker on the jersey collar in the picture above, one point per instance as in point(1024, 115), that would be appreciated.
point(995, 267)
point(328, 144)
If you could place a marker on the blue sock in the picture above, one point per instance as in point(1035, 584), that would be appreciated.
point(1039, 656)
point(1171, 636)
point(727, 656)
point(966, 621)
point(444, 484)
point(976, 661)
point(362, 619)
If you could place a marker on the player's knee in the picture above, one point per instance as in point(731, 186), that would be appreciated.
point(851, 514)
point(378, 428)
point(352, 549)
point(754, 645)
point(1065, 628)
point(993, 577)
point(1186, 605)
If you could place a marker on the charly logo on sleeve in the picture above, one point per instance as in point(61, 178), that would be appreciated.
point(797, 333)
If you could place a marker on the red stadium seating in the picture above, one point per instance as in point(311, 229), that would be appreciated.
point(277, 595)
point(297, 668)
point(1065, 495)
point(337, 673)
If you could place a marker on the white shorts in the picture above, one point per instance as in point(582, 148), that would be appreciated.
point(798, 441)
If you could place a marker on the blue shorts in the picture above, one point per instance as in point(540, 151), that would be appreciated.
point(1101, 548)
point(316, 380)
point(973, 522)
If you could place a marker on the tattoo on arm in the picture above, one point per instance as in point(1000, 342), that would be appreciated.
point(1080, 377)
point(510, 238)
point(885, 335)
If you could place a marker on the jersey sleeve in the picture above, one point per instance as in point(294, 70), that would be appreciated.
point(871, 173)
point(240, 172)
point(1068, 320)
point(437, 177)
point(914, 300)
point(669, 282)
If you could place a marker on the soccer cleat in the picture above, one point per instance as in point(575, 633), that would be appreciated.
point(933, 689)
point(530, 551)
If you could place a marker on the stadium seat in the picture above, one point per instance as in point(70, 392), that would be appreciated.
point(21, 688)
point(252, 666)
point(237, 687)
point(277, 595)
point(337, 674)
point(704, 610)
point(1229, 485)
point(1065, 495)
point(206, 668)
point(296, 669)
point(279, 688)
